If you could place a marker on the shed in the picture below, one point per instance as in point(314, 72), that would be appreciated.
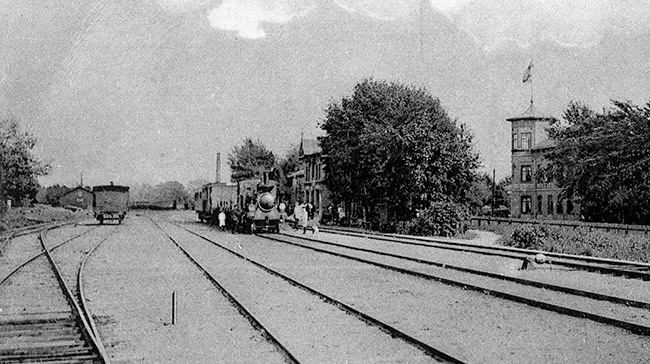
point(79, 197)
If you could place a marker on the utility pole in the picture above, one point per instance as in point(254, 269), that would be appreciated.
point(3, 202)
point(218, 169)
point(494, 185)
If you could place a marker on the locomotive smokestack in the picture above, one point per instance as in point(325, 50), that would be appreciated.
point(218, 170)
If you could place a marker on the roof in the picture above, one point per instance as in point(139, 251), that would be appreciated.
point(77, 189)
point(309, 147)
point(531, 114)
point(111, 188)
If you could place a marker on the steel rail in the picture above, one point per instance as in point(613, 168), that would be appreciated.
point(29, 260)
point(632, 327)
point(86, 330)
point(82, 297)
point(266, 334)
point(425, 348)
point(526, 282)
point(515, 253)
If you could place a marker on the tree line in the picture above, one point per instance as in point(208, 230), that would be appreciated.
point(394, 147)
point(602, 161)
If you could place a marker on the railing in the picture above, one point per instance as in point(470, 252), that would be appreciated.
point(488, 220)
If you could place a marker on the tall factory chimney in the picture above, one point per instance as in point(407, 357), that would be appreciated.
point(218, 171)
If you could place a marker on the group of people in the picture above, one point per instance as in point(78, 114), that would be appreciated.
point(303, 215)
point(229, 219)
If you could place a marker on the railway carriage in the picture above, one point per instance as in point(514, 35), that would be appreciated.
point(212, 198)
point(110, 202)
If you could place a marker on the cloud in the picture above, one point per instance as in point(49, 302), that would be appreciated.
point(182, 5)
point(570, 23)
point(492, 23)
point(388, 10)
point(246, 17)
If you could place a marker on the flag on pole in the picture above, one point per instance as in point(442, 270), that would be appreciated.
point(528, 73)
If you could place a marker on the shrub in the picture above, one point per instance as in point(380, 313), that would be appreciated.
point(439, 219)
point(529, 236)
point(580, 241)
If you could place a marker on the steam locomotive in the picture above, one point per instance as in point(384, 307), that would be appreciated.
point(256, 199)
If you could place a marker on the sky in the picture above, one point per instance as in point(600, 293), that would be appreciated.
point(150, 91)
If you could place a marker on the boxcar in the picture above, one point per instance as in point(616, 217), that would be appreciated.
point(110, 202)
point(212, 198)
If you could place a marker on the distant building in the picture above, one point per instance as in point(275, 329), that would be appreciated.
point(533, 194)
point(308, 183)
point(80, 197)
point(297, 185)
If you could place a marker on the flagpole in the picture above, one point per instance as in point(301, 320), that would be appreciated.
point(531, 81)
point(531, 91)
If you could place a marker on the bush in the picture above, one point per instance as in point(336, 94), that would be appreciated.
point(580, 241)
point(439, 219)
point(529, 236)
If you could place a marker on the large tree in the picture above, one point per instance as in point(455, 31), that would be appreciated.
point(603, 161)
point(394, 144)
point(21, 168)
point(250, 160)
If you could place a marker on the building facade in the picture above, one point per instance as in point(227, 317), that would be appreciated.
point(311, 182)
point(533, 194)
point(79, 196)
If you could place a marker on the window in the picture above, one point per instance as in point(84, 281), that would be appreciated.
point(550, 204)
point(515, 141)
point(526, 173)
point(526, 204)
point(539, 204)
point(525, 140)
point(559, 206)
point(569, 207)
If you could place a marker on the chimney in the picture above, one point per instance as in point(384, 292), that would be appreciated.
point(218, 171)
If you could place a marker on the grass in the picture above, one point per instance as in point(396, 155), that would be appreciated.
point(580, 241)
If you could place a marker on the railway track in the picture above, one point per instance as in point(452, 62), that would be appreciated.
point(632, 315)
point(624, 268)
point(431, 352)
point(42, 320)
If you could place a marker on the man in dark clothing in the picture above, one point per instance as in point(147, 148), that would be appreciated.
point(234, 220)
point(309, 212)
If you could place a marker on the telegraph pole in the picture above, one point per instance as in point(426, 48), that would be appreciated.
point(494, 185)
point(3, 202)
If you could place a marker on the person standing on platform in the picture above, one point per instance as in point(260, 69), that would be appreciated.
point(222, 221)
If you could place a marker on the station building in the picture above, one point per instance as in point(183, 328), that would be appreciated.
point(533, 193)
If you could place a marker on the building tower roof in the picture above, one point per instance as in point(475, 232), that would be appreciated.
point(531, 114)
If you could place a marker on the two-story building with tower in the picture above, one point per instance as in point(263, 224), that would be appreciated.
point(533, 194)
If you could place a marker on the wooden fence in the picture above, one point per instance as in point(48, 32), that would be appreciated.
point(488, 220)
